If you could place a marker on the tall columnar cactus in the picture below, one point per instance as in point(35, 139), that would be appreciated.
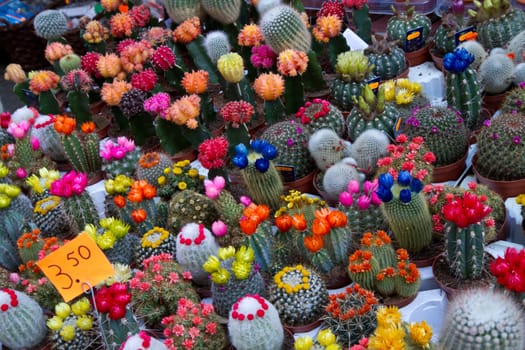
point(496, 73)
point(388, 59)
point(443, 129)
point(224, 11)
point(401, 23)
point(353, 68)
point(283, 28)
point(216, 44)
point(151, 166)
point(195, 244)
point(327, 148)
point(50, 24)
point(367, 148)
point(497, 22)
point(473, 323)
point(291, 141)
point(22, 322)
point(181, 10)
point(299, 295)
point(371, 112)
point(82, 150)
point(500, 148)
point(406, 210)
point(463, 88)
point(320, 114)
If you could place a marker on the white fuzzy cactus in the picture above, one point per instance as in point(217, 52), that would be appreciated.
point(337, 177)
point(327, 148)
point(195, 244)
point(496, 73)
point(368, 148)
point(475, 48)
point(216, 44)
point(142, 341)
point(254, 324)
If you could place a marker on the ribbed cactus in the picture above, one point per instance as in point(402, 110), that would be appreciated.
point(389, 60)
point(189, 206)
point(367, 148)
point(516, 47)
point(216, 44)
point(444, 132)
point(363, 268)
point(398, 26)
point(496, 73)
point(50, 24)
point(22, 322)
point(353, 69)
point(151, 166)
point(320, 114)
point(371, 112)
point(12, 227)
point(181, 10)
point(50, 142)
point(337, 177)
point(482, 318)
point(224, 11)
point(476, 49)
point(500, 148)
point(195, 244)
point(50, 216)
point(380, 245)
point(120, 252)
point(299, 295)
point(12, 200)
point(254, 324)
point(327, 148)
point(120, 157)
point(463, 88)
point(81, 208)
point(465, 250)
point(291, 142)
point(155, 242)
point(82, 150)
point(283, 28)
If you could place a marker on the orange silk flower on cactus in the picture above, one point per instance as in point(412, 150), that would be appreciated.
point(110, 5)
point(327, 27)
point(250, 35)
point(184, 111)
point(64, 124)
point(291, 63)
point(112, 92)
point(55, 51)
point(43, 80)
point(195, 82)
point(95, 32)
point(269, 86)
point(187, 31)
point(134, 55)
point(109, 65)
point(121, 25)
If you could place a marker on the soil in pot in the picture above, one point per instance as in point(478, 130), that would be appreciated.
point(398, 301)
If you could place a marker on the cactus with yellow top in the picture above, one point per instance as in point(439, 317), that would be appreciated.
point(180, 176)
point(325, 340)
point(405, 95)
point(233, 274)
point(154, 242)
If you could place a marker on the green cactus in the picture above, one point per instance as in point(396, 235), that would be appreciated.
point(69, 62)
point(291, 142)
point(14, 201)
point(181, 10)
point(515, 97)
point(476, 49)
point(444, 132)
point(283, 28)
point(189, 206)
point(262, 243)
point(379, 244)
point(353, 69)
point(81, 208)
point(224, 11)
point(50, 24)
point(216, 44)
point(154, 242)
point(125, 166)
point(471, 322)
point(82, 150)
point(326, 148)
point(151, 166)
point(194, 244)
point(264, 331)
point(120, 252)
point(22, 322)
point(371, 112)
point(500, 149)
point(321, 114)
point(402, 22)
point(465, 250)
point(264, 188)
point(361, 221)
point(407, 280)
point(496, 73)
point(299, 295)
point(117, 331)
point(445, 35)
point(363, 268)
point(51, 218)
point(385, 282)
point(368, 148)
point(389, 60)
point(12, 227)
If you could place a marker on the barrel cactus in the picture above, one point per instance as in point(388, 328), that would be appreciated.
point(155, 242)
point(476, 49)
point(496, 73)
point(224, 11)
point(318, 114)
point(368, 148)
point(181, 10)
point(327, 148)
point(283, 28)
point(399, 25)
point(216, 44)
point(151, 166)
point(388, 59)
point(516, 48)
point(190, 206)
point(50, 24)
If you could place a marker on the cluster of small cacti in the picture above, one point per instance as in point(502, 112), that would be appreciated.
point(327, 148)
point(386, 57)
point(320, 114)
point(299, 295)
point(283, 28)
point(399, 26)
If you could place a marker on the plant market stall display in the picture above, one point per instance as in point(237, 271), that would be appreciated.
point(205, 137)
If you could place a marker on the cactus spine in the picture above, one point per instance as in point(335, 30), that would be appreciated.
point(181, 10)
point(83, 152)
point(224, 11)
point(337, 177)
point(264, 188)
point(465, 250)
point(283, 28)
point(388, 60)
point(50, 24)
point(50, 142)
point(496, 73)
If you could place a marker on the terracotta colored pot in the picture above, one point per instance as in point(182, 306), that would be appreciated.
point(303, 185)
point(418, 57)
point(398, 301)
point(305, 328)
point(450, 171)
point(438, 60)
point(493, 102)
point(505, 189)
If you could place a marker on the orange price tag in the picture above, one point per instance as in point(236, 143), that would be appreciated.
point(78, 261)
point(374, 85)
point(413, 36)
point(468, 36)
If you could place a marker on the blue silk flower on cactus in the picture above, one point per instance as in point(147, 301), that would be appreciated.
point(404, 189)
point(458, 60)
point(262, 152)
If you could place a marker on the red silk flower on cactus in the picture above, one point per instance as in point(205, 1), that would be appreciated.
point(510, 270)
point(466, 210)
point(237, 113)
point(213, 152)
point(358, 4)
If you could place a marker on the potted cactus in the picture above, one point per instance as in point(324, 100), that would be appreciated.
point(388, 59)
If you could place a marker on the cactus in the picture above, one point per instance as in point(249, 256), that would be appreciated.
point(353, 69)
point(500, 148)
point(155, 242)
point(50, 24)
point(22, 322)
point(181, 10)
point(119, 158)
point(363, 268)
point(515, 97)
point(69, 63)
point(321, 114)
point(254, 324)
point(463, 88)
point(291, 142)
point(151, 166)
point(327, 148)
point(283, 28)
point(465, 250)
point(50, 142)
point(518, 73)
point(388, 59)
point(12, 200)
point(189, 206)
point(516, 47)
point(402, 22)
point(216, 44)
point(380, 245)
point(12, 227)
point(195, 244)
point(371, 112)
point(51, 218)
point(224, 11)
point(444, 132)
point(299, 295)
point(136, 341)
point(337, 177)
point(82, 150)
point(476, 49)
point(81, 208)
point(368, 148)
point(5, 138)
point(496, 73)
point(471, 322)
point(179, 177)
point(407, 280)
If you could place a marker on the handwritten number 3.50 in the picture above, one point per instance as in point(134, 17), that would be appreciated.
point(83, 252)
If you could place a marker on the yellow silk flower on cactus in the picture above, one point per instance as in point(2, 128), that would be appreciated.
point(269, 86)
point(109, 65)
point(43, 81)
point(187, 31)
point(250, 35)
point(241, 266)
point(195, 82)
point(520, 199)
point(184, 111)
point(401, 91)
point(327, 27)
point(42, 182)
point(388, 317)
point(231, 67)
point(121, 25)
point(291, 63)
point(387, 338)
point(111, 93)
point(56, 50)
point(421, 333)
point(95, 32)
point(325, 340)
point(15, 73)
